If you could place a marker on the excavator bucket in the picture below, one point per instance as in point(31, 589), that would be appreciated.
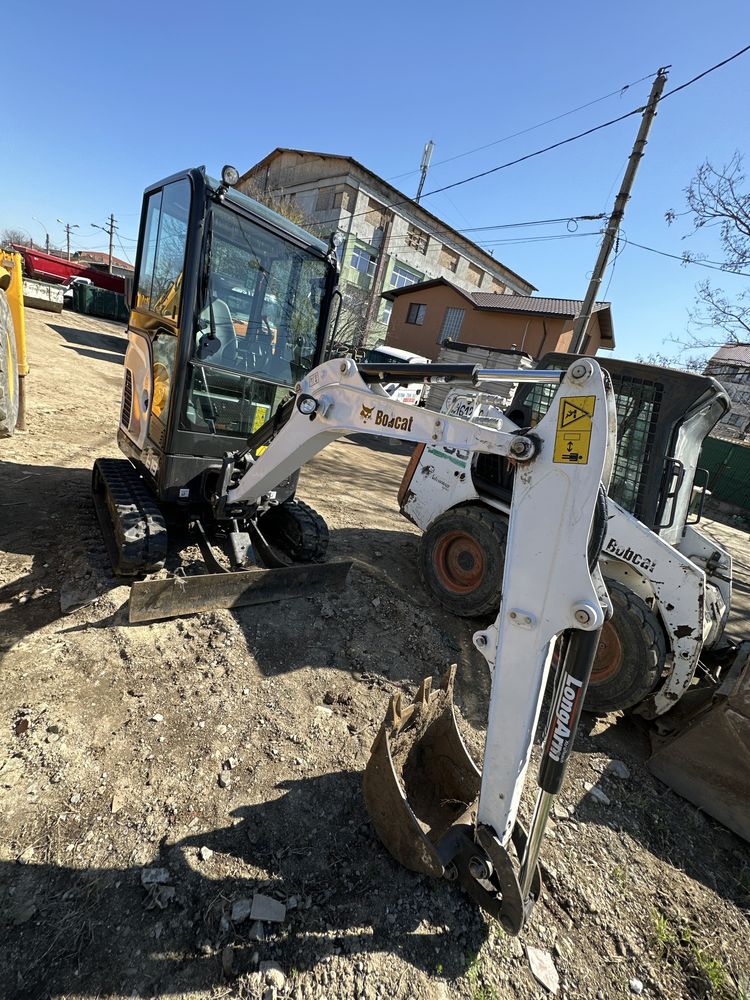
point(420, 781)
point(707, 762)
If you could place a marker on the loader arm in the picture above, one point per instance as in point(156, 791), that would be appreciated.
point(551, 588)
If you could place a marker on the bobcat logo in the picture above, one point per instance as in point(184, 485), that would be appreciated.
point(366, 412)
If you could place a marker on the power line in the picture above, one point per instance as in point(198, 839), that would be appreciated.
point(620, 91)
point(711, 264)
point(705, 72)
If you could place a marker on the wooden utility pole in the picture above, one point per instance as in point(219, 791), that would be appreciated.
point(377, 282)
point(68, 227)
point(615, 219)
point(110, 230)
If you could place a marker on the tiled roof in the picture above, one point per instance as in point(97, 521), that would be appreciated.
point(531, 304)
point(738, 354)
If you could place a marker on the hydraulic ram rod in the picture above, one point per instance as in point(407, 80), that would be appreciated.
point(467, 373)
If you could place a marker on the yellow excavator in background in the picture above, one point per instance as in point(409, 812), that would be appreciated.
point(14, 365)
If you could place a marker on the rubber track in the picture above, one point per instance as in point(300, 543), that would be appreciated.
point(134, 527)
point(313, 529)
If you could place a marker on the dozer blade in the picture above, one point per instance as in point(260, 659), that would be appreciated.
point(708, 762)
point(420, 780)
point(151, 600)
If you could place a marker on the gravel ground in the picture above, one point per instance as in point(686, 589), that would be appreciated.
point(181, 802)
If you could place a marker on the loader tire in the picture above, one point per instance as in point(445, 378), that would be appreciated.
point(631, 655)
point(461, 557)
point(297, 530)
point(8, 371)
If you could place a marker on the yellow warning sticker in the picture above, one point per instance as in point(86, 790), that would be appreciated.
point(573, 436)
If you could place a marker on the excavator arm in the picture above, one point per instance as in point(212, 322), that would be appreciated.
point(434, 810)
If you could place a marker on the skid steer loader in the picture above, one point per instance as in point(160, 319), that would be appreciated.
point(231, 307)
point(434, 809)
point(670, 584)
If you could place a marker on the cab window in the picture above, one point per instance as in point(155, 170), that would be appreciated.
point(159, 287)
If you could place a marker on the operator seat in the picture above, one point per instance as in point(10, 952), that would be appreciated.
point(221, 349)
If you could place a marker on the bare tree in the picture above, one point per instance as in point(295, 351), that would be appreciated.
point(11, 235)
point(284, 204)
point(351, 322)
point(719, 200)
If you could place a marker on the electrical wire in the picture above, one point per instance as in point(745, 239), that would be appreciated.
point(713, 265)
point(477, 149)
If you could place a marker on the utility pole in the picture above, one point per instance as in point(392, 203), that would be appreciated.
point(68, 227)
point(615, 219)
point(46, 234)
point(424, 166)
point(110, 230)
point(377, 282)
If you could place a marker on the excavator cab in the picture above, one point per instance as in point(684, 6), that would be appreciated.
point(230, 309)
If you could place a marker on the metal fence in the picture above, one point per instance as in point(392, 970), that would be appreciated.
point(728, 467)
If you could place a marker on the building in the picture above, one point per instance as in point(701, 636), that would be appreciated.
point(387, 240)
point(426, 315)
point(731, 366)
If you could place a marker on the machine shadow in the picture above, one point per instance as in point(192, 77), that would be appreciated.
point(98, 931)
point(110, 343)
point(57, 528)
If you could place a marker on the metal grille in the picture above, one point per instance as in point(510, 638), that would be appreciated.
point(127, 399)
point(638, 402)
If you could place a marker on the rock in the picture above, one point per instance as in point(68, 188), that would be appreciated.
point(543, 968)
point(227, 959)
point(376, 602)
point(157, 717)
point(618, 769)
point(205, 853)
point(74, 799)
point(559, 811)
point(322, 712)
point(274, 974)
point(241, 910)
point(154, 876)
point(266, 908)
point(596, 793)
point(256, 932)
point(21, 726)
point(225, 779)
point(118, 801)
point(72, 598)
point(636, 986)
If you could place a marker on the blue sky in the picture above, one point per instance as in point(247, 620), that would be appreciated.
point(111, 97)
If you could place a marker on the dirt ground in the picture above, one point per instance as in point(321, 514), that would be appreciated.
point(157, 780)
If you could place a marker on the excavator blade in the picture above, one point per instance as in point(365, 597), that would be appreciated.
point(420, 780)
point(151, 600)
point(708, 761)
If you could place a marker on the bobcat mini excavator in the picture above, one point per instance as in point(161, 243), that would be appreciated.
point(225, 398)
point(230, 308)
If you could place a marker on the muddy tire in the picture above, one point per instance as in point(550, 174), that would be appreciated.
point(297, 530)
point(631, 655)
point(8, 371)
point(461, 558)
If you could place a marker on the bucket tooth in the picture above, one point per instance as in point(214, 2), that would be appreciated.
point(420, 778)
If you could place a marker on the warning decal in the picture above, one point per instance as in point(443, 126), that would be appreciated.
point(574, 423)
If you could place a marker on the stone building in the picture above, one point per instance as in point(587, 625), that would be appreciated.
point(387, 240)
point(731, 366)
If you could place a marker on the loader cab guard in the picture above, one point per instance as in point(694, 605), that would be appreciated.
point(662, 423)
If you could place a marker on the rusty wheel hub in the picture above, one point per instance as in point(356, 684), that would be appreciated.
point(609, 655)
point(459, 562)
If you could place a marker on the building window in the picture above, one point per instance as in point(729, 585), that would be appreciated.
point(475, 275)
point(400, 277)
point(452, 322)
point(417, 239)
point(324, 201)
point(416, 313)
point(363, 261)
point(375, 214)
point(498, 287)
point(385, 316)
point(449, 259)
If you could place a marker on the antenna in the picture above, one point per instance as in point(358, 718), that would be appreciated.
point(424, 166)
